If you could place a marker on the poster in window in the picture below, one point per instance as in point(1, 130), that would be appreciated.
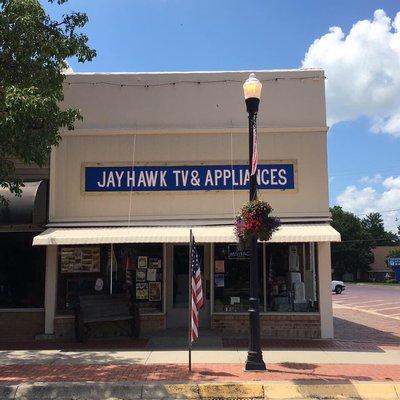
point(219, 280)
point(142, 291)
point(155, 291)
point(142, 262)
point(151, 274)
point(80, 259)
point(219, 266)
point(154, 263)
point(140, 275)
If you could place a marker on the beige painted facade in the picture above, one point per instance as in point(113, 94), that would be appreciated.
point(189, 123)
point(192, 119)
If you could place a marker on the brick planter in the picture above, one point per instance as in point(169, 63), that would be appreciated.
point(272, 325)
point(64, 327)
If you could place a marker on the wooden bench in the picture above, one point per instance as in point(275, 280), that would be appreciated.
point(105, 308)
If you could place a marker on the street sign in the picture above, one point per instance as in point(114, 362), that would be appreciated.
point(394, 262)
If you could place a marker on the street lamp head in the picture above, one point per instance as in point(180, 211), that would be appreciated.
point(252, 93)
point(252, 87)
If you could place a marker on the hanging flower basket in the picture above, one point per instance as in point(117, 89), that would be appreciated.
point(255, 219)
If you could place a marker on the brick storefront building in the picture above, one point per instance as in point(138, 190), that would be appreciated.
point(161, 153)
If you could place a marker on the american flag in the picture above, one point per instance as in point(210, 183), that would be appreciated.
point(197, 293)
point(254, 156)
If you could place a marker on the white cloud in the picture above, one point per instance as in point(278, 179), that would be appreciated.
point(356, 200)
point(383, 199)
point(363, 71)
point(371, 180)
point(392, 183)
point(68, 70)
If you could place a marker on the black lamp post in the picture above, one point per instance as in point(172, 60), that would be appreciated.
point(252, 93)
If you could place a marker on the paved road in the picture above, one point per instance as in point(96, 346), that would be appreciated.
point(368, 313)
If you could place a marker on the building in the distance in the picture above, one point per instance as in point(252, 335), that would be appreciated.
point(158, 154)
point(379, 269)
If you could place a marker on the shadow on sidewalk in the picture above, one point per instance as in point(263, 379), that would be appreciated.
point(346, 330)
point(304, 370)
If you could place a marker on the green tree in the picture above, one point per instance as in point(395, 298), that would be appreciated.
point(395, 253)
point(33, 53)
point(354, 253)
point(373, 225)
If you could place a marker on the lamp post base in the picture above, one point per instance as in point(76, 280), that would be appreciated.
point(255, 362)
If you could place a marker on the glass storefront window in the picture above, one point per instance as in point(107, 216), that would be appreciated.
point(141, 268)
point(289, 271)
point(22, 271)
point(83, 270)
point(291, 278)
point(232, 278)
point(131, 270)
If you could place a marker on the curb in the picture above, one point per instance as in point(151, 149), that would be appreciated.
point(201, 391)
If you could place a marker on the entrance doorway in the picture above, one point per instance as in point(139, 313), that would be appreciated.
point(178, 312)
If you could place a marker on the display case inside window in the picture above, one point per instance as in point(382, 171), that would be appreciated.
point(83, 270)
point(140, 272)
point(133, 271)
point(291, 277)
point(232, 278)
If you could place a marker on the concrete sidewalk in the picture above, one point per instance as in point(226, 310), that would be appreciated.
point(317, 369)
point(389, 356)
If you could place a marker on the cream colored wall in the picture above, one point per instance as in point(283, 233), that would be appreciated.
point(69, 203)
point(212, 121)
point(296, 101)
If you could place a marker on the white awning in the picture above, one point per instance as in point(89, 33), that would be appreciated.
point(172, 234)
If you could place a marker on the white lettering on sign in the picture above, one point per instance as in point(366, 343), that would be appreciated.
point(151, 177)
point(163, 182)
point(185, 175)
point(195, 180)
point(234, 181)
point(142, 179)
point(218, 176)
point(273, 176)
point(246, 177)
point(215, 177)
point(282, 177)
point(227, 175)
point(110, 180)
point(263, 176)
point(119, 177)
point(130, 179)
point(209, 179)
point(103, 183)
point(176, 173)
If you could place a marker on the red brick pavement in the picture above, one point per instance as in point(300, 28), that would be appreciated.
point(361, 326)
point(201, 372)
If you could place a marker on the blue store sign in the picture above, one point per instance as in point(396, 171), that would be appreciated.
point(185, 178)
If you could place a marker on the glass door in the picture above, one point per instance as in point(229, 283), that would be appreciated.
point(178, 314)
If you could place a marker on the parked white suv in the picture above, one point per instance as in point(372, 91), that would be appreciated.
point(338, 286)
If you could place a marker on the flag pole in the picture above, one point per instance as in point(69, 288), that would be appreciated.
point(190, 302)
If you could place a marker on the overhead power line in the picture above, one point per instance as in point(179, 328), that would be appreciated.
point(370, 240)
point(196, 82)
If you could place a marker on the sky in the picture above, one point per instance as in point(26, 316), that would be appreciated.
point(356, 42)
